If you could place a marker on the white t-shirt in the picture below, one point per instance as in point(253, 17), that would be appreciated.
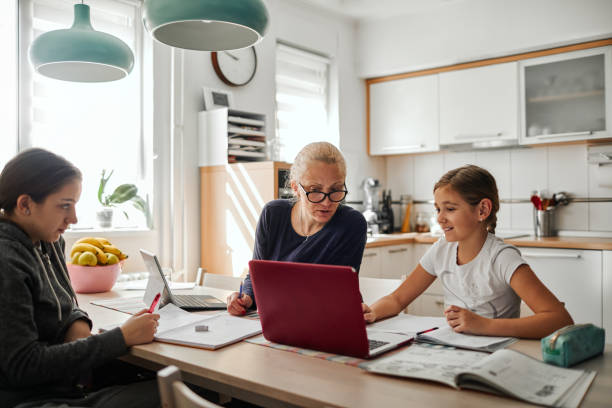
point(483, 284)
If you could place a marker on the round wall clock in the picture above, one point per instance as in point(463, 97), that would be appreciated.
point(235, 67)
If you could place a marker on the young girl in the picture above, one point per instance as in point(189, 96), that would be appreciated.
point(49, 356)
point(484, 279)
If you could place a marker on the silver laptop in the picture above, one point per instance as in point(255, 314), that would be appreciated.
point(157, 284)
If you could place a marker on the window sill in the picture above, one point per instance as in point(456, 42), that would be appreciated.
point(108, 232)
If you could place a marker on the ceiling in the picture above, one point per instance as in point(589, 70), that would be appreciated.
point(375, 9)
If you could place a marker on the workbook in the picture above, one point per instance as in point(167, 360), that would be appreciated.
point(210, 331)
point(504, 372)
point(436, 330)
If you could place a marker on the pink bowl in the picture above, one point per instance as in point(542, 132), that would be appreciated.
point(93, 279)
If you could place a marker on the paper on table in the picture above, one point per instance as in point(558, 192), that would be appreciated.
point(128, 305)
point(141, 284)
point(446, 335)
point(408, 324)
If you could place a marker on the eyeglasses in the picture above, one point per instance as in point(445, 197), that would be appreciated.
point(319, 196)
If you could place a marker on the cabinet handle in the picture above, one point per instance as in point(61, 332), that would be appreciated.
point(394, 251)
point(369, 254)
point(407, 147)
point(480, 136)
point(551, 256)
point(439, 303)
point(590, 132)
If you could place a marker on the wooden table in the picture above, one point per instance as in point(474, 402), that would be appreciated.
point(277, 378)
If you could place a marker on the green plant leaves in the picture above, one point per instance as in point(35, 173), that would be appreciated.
point(123, 193)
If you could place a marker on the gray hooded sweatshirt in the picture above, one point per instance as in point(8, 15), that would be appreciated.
point(37, 306)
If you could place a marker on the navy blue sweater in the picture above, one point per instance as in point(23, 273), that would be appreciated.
point(340, 242)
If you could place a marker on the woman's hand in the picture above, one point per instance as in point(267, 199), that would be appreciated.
point(238, 306)
point(140, 328)
point(463, 321)
point(368, 314)
point(79, 329)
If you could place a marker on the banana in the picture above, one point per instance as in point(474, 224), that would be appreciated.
point(75, 258)
point(83, 247)
point(90, 240)
point(103, 241)
point(122, 256)
point(111, 249)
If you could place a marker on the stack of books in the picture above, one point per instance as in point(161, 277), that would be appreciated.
point(246, 137)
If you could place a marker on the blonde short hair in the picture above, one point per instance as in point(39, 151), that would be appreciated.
point(319, 151)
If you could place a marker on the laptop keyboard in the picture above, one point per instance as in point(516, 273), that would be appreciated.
point(374, 344)
point(190, 300)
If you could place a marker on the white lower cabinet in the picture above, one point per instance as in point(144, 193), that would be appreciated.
point(607, 294)
point(370, 263)
point(574, 276)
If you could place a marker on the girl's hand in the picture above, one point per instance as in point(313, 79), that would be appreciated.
point(79, 329)
point(238, 306)
point(140, 328)
point(368, 315)
point(463, 321)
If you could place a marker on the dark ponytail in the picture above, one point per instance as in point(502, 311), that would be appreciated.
point(37, 173)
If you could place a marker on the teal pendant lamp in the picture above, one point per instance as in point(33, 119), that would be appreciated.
point(80, 53)
point(206, 25)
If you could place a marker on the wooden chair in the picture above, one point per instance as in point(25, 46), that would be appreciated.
point(174, 393)
point(226, 282)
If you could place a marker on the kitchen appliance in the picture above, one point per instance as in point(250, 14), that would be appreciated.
point(379, 219)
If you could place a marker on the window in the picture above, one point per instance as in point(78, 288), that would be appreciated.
point(94, 125)
point(8, 80)
point(302, 100)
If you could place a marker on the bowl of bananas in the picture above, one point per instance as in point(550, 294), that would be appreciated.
point(95, 265)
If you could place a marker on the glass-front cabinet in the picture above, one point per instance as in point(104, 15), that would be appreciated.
point(567, 96)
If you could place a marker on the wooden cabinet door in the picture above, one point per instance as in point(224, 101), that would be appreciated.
point(404, 116)
point(574, 276)
point(370, 263)
point(480, 105)
point(395, 260)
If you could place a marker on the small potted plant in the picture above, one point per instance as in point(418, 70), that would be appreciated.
point(121, 195)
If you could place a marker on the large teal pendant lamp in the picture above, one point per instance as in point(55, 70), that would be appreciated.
point(80, 53)
point(206, 25)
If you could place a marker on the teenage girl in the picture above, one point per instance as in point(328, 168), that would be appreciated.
point(484, 279)
point(50, 357)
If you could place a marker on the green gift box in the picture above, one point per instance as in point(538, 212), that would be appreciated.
point(573, 344)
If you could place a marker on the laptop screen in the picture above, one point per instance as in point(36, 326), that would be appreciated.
point(157, 281)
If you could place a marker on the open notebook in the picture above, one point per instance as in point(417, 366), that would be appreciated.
point(442, 333)
point(179, 327)
point(505, 372)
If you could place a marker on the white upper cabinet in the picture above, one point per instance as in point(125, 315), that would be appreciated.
point(480, 105)
point(404, 116)
point(564, 97)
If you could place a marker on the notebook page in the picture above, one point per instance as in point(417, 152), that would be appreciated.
point(446, 335)
point(408, 324)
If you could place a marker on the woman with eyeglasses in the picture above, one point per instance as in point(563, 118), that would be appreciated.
point(313, 227)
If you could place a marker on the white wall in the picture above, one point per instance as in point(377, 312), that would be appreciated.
point(468, 30)
point(304, 27)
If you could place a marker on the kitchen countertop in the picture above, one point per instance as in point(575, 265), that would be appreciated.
point(595, 243)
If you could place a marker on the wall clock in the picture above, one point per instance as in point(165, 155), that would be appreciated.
point(235, 67)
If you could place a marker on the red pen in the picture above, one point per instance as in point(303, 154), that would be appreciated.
point(426, 331)
point(154, 303)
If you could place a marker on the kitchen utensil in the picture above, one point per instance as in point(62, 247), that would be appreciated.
point(537, 202)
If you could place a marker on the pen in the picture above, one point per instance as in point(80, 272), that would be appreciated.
point(426, 331)
point(154, 303)
point(240, 292)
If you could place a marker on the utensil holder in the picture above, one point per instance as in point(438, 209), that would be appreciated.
point(544, 223)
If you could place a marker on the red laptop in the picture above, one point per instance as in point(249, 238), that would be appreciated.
point(316, 307)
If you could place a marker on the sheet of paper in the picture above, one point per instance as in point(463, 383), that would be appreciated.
point(446, 335)
point(574, 395)
point(408, 324)
point(172, 317)
point(128, 305)
point(527, 378)
point(223, 329)
point(426, 362)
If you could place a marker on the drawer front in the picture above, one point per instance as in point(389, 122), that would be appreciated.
point(432, 305)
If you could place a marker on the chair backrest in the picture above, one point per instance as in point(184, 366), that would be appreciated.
point(174, 393)
point(226, 282)
point(373, 289)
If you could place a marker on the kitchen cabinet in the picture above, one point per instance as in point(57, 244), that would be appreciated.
point(388, 262)
point(564, 97)
point(370, 263)
point(574, 276)
point(232, 197)
point(607, 294)
point(480, 105)
point(404, 116)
